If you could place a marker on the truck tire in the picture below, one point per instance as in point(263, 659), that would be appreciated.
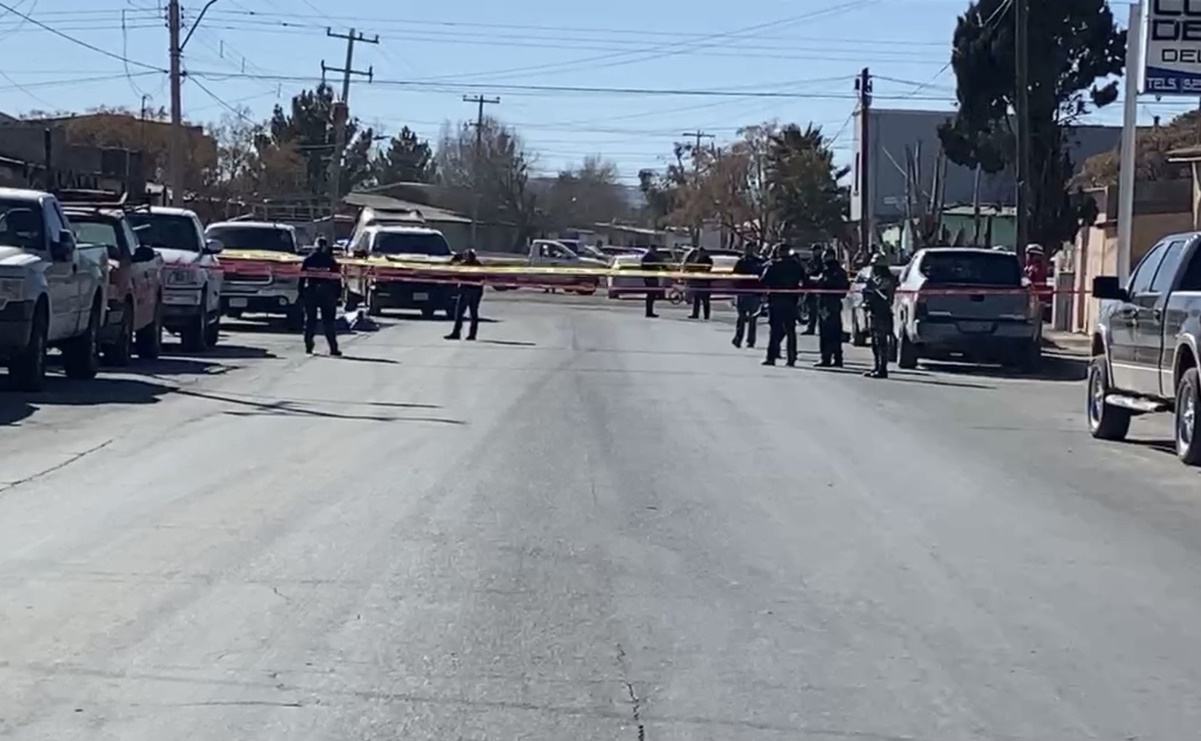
point(194, 336)
point(149, 341)
point(858, 336)
point(212, 332)
point(81, 355)
point(1188, 429)
point(27, 371)
point(1105, 421)
point(907, 354)
point(120, 352)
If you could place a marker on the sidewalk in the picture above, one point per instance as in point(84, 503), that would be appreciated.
point(1069, 343)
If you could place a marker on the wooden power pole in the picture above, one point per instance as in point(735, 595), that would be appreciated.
point(477, 161)
point(1021, 117)
point(863, 86)
point(341, 113)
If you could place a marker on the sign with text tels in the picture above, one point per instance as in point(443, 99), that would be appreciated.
point(1171, 58)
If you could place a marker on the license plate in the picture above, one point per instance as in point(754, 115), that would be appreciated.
point(975, 327)
point(238, 303)
point(185, 300)
point(421, 297)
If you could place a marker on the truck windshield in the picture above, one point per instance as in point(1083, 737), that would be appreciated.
point(411, 243)
point(21, 225)
point(171, 231)
point(94, 230)
point(269, 239)
point(971, 268)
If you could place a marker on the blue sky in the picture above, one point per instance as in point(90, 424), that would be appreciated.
point(805, 52)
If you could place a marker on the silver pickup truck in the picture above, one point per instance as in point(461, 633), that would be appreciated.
point(1145, 345)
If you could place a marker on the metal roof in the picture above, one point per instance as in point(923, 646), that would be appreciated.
point(387, 203)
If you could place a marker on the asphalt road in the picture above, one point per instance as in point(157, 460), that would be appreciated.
point(586, 526)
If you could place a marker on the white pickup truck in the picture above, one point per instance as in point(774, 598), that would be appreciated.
point(550, 253)
point(52, 291)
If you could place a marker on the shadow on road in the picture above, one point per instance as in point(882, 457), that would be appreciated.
point(220, 352)
point(1053, 368)
point(508, 343)
point(262, 406)
point(364, 359)
point(16, 406)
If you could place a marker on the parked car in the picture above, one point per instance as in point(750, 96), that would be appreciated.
point(134, 320)
point(551, 253)
point(968, 304)
point(273, 292)
point(627, 285)
point(192, 275)
point(52, 291)
point(855, 318)
point(1147, 344)
point(402, 244)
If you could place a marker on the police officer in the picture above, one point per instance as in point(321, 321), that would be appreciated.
point(319, 294)
point(782, 280)
point(653, 261)
point(471, 292)
point(699, 261)
point(812, 270)
point(878, 293)
point(834, 284)
point(748, 299)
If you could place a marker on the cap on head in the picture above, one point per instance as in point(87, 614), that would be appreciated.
point(1034, 249)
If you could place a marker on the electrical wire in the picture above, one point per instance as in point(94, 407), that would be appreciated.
point(80, 42)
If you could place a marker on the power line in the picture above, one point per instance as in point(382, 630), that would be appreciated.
point(576, 89)
point(80, 42)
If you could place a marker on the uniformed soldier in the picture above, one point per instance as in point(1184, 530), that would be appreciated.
point(471, 292)
point(748, 299)
point(878, 293)
point(834, 284)
point(320, 293)
point(782, 279)
point(653, 261)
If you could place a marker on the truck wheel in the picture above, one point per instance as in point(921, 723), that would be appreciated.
point(212, 333)
point(194, 336)
point(858, 336)
point(906, 352)
point(1188, 404)
point(27, 371)
point(120, 352)
point(149, 342)
point(81, 355)
point(1105, 421)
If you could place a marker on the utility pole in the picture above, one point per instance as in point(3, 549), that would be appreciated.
point(341, 112)
point(480, 101)
point(863, 86)
point(1021, 116)
point(697, 135)
point(175, 148)
point(175, 52)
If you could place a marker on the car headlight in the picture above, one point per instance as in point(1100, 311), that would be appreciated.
point(12, 289)
point(182, 277)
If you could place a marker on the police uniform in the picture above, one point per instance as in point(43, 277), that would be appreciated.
point(652, 261)
point(698, 261)
point(320, 296)
point(878, 293)
point(782, 279)
point(749, 300)
point(471, 292)
point(834, 283)
point(813, 270)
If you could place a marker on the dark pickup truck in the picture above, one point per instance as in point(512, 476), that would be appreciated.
point(1145, 346)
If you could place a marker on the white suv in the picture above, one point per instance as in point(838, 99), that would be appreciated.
point(191, 273)
point(52, 291)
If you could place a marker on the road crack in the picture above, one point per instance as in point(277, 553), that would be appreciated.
point(55, 468)
point(635, 701)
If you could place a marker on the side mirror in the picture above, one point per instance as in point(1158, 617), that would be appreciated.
point(1107, 287)
point(144, 254)
point(62, 249)
point(212, 246)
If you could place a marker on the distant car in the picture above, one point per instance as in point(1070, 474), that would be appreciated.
point(854, 313)
point(621, 285)
point(969, 304)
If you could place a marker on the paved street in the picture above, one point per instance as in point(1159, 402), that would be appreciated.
point(587, 526)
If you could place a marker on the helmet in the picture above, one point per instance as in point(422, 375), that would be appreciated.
point(1034, 249)
point(880, 260)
